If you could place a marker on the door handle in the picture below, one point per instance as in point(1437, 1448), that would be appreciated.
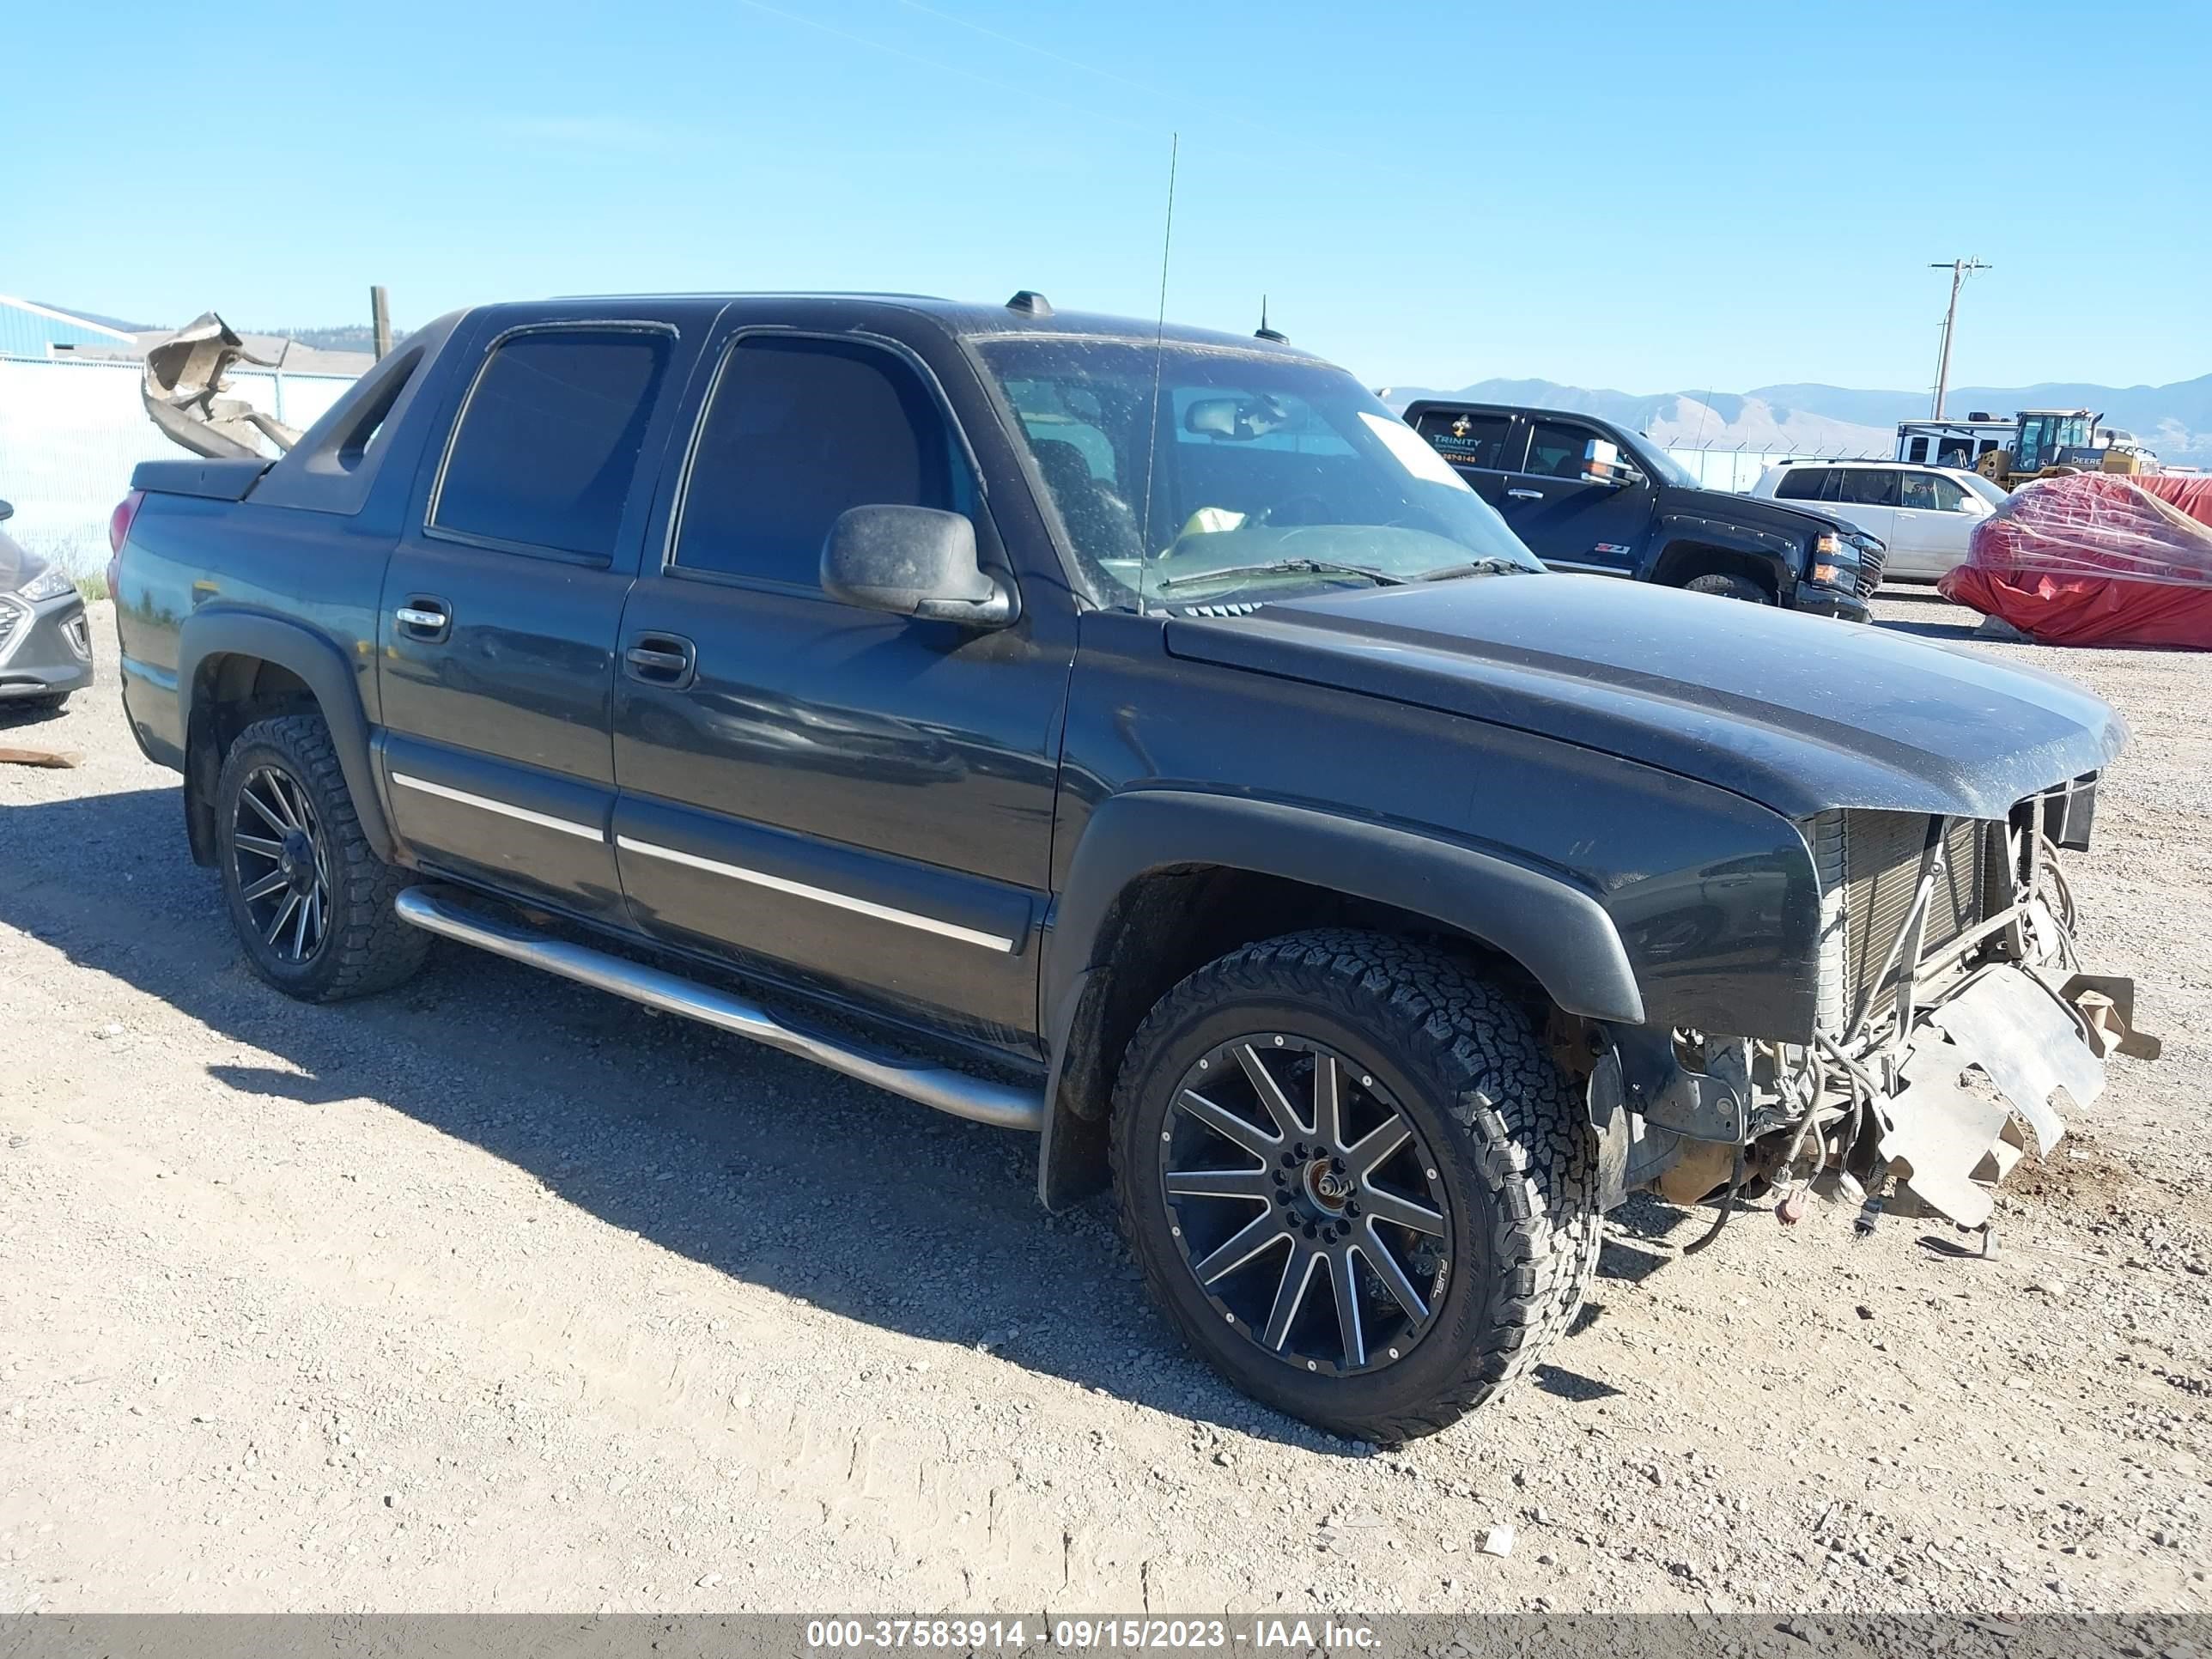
point(1526, 495)
point(663, 659)
point(424, 617)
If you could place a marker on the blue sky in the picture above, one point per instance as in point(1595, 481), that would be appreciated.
point(1649, 197)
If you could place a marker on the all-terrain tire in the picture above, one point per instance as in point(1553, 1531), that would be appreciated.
point(365, 948)
point(1728, 586)
point(1466, 1065)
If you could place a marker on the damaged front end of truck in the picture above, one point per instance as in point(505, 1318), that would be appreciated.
point(1954, 1009)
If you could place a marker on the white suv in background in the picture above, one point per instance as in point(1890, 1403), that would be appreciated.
point(1925, 513)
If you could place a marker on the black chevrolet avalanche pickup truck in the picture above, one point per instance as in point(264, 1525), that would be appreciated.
point(1584, 495)
point(1140, 739)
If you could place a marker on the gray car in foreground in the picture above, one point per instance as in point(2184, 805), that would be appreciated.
point(45, 651)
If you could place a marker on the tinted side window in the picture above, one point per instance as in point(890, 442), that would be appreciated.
point(1916, 450)
point(1802, 484)
point(549, 440)
point(1556, 449)
point(1950, 497)
point(1476, 440)
point(797, 431)
point(1867, 486)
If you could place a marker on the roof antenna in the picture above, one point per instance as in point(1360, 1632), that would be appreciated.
point(1263, 333)
point(1159, 350)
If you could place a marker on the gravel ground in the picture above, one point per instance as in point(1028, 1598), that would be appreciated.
point(498, 1294)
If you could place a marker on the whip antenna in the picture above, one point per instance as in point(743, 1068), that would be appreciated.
point(1159, 350)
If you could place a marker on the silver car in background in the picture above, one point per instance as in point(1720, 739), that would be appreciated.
point(1926, 513)
point(45, 646)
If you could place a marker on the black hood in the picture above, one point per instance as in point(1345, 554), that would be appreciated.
point(1731, 508)
point(1800, 714)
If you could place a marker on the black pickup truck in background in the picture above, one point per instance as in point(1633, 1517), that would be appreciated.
point(1588, 496)
point(1138, 738)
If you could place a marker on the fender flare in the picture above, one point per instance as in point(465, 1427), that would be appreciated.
point(1557, 931)
point(317, 660)
point(1772, 548)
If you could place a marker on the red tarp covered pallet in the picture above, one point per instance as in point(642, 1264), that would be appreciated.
point(2096, 559)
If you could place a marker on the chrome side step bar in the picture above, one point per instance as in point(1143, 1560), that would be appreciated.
point(1005, 1105)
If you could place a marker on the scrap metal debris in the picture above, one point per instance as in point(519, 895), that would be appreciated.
point(184, 386)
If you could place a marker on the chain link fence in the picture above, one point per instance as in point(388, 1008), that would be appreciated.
point(1737, 467)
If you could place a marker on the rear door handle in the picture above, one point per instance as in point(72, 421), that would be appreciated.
point(663, 659)
point(424, 615)
point(1526, 495)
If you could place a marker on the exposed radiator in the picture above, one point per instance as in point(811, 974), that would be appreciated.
point(1869, 866)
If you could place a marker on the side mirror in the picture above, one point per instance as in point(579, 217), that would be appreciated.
point(7, 511)
point(1602, 464)
point(912, 561)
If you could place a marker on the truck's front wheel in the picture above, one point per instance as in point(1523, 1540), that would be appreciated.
point(1729, 587)
point(1355, 1179)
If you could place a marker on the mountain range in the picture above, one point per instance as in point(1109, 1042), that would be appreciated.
point(2174, 420)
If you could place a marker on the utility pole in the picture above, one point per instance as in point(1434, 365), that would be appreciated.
point(1960, 270)
point(380, 327)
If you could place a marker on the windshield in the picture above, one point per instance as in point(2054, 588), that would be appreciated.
point(2042, 437)
point(1267, 474)
point(1672, 470)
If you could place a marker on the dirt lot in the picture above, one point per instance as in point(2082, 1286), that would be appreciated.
point(499, 1294)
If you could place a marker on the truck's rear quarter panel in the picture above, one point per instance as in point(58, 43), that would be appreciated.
point(187, 556)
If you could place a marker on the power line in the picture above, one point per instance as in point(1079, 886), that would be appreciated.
point(1960, 270)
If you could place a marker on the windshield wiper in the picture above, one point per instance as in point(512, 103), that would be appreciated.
point(1490, 567)
point(1285, 567)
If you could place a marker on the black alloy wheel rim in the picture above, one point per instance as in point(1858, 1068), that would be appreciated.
point(280, 864)
point(1308, 1206)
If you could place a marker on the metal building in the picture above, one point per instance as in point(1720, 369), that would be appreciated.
point(36, 331)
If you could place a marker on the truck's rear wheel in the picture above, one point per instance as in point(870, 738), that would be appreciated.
point(311, 902)
point(1355, 1181)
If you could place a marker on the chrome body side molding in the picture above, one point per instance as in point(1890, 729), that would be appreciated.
point(505, 809)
